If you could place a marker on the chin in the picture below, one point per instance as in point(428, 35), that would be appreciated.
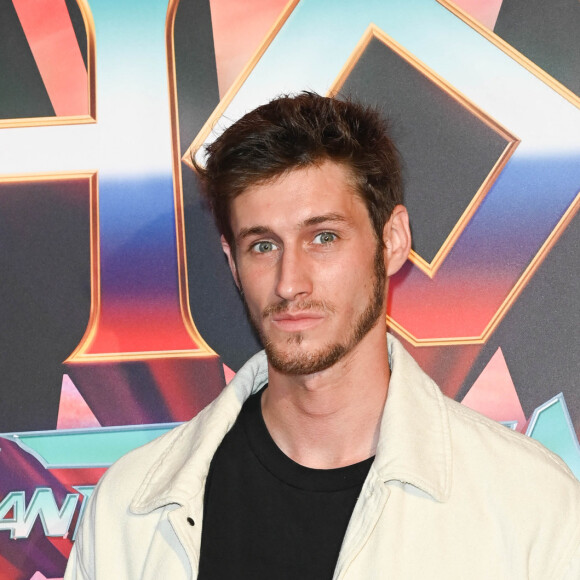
point(303, 362)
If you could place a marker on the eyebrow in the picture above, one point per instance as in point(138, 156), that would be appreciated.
point(253, 231)
point(312, 221)
point(320, 219)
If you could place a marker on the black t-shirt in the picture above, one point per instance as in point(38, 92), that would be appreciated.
point(266, 516)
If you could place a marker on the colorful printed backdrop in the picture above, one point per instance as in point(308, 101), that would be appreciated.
point(118, 314)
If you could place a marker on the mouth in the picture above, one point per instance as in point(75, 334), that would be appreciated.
point(296, 321)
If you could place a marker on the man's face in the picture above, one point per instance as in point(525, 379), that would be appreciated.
point(310, 267)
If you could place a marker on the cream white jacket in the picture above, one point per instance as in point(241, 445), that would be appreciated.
point(451, 495)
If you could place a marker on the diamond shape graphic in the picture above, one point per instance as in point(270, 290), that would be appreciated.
point(437, 130)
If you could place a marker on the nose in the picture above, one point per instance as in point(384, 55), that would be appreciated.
point(294, 275)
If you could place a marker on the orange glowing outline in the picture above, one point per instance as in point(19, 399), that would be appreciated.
point(512, 296)
point(204, 350)
point(430, 268)
point(91, 88)
point(512, 52)
point(562, 224)
point(513, 141)
point(95, 310)
point(91, 176)
point(240, 80)
point(79, 354)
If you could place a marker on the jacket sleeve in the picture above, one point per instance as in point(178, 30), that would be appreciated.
point(74, 568)
point(80, 564)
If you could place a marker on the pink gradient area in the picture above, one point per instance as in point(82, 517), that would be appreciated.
point(454, 304)
point(485, 11)
point(73, 411)
point(229, 374)
point(50, 34)
point(447, 365)
point(41, 576)
point(134, 326)
point(238, 30)
point(494, 394)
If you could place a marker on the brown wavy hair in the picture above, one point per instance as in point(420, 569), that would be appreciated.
point(292, 132)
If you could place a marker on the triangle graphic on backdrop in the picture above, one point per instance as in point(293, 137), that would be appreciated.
point(228, 373)
point(494, 394)
point(73, 410)
point(41, 576)
point(485, 12)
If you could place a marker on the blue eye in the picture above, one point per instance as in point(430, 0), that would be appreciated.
point(325, 238)
point(264, 247)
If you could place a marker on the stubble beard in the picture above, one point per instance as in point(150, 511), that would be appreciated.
point(298, 362)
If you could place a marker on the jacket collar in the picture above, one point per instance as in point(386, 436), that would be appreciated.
point(415, 442)
point(178, 475)
point(414, 445)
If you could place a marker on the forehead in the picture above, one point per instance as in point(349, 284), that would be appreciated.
point(297, 196)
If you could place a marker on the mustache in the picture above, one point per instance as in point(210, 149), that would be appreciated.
point(288, 306)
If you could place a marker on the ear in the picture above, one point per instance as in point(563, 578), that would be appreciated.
point(397, 239)
point(231, 260)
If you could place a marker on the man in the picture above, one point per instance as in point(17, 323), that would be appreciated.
point(332, 455)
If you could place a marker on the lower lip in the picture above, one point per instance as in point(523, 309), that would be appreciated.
point(296, 324)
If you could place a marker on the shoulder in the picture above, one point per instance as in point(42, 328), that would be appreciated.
point(107, 523)
point(475, 431)
point(515, 468)
point(520, 483)
point(186, 449)
point(129, 472)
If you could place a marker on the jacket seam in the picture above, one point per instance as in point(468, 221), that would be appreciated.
point(83, 569)
point(524, 442)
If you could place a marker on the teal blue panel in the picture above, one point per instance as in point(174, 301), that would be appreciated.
point(76, 448)
point(551, 425)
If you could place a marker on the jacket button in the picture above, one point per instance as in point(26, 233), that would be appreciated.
point(190, 521)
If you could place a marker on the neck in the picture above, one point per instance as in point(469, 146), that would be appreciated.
point(331, 418)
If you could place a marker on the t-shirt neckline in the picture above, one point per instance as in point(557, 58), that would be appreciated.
point(287, 470)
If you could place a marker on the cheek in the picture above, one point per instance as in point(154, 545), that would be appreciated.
point(347, 283)
point(362, 278)
point(255, 285)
